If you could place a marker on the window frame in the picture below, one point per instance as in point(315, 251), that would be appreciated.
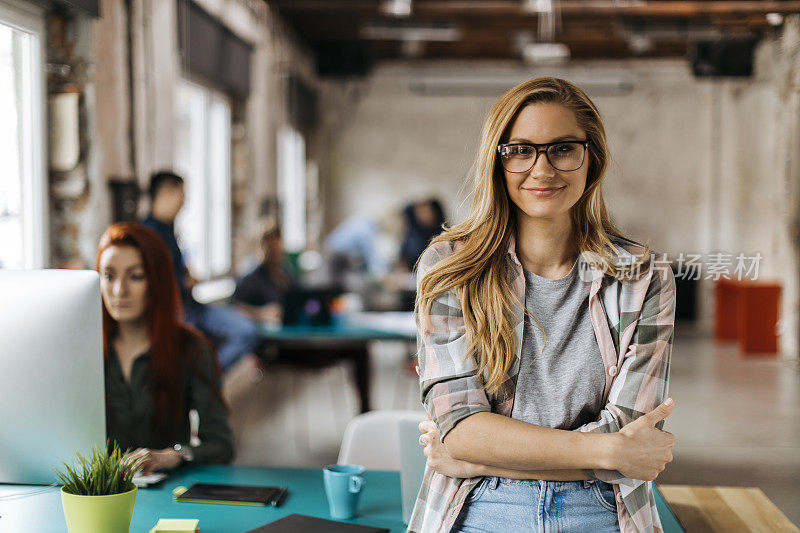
point(30, 19)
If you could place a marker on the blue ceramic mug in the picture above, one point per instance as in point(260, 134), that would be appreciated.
point(343, 484)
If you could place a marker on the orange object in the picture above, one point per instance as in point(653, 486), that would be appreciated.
point(726, 311)
point(759, 308)
point(748, 311)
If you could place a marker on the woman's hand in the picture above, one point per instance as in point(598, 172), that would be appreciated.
point(439, 458)
point(642, 449)
point(154, 460)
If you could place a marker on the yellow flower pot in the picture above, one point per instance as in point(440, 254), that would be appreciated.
point(91, 514)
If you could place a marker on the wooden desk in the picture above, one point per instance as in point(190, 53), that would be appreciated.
point(725, 509)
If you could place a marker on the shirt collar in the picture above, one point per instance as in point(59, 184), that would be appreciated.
point(594, 270)
point(512, 249)
point(112, 356)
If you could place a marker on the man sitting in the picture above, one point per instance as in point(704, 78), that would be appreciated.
point(261, 293)
point(235, 334)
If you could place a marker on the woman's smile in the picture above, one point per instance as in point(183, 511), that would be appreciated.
point(544, 192)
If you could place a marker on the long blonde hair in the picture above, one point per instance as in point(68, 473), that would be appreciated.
point(478, 271)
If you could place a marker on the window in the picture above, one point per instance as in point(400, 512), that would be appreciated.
point(203, 159)
point(292, 187)
point(22, 194)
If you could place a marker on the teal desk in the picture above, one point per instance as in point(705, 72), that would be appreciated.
point(379, 506)
point(343, 333)
point(380, 503)
point(320, 346)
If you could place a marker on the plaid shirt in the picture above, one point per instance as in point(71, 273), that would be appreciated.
point(633, 321)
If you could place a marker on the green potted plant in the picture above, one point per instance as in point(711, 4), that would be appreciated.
point(98, 493)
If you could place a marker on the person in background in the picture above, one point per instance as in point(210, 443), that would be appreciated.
point(353, 246)
point(260, 294)
point(423, 222)
point(157, 369)
point(235, 334)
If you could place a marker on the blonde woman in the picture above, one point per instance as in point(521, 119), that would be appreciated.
point(544, 338)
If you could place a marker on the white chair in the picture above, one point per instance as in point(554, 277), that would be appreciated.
point(372, 439)
point(388, 440)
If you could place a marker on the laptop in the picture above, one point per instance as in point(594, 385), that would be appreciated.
point(309, 306)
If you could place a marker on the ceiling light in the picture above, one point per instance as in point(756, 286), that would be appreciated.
point(545, 53)
point(396, 8)
point(640, 44)
point(775, 19)
point(596, 82)
point(417, 32)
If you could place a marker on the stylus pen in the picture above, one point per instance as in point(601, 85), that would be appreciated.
point(278, 499)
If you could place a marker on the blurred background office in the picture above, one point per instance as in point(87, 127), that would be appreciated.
point(352, 127)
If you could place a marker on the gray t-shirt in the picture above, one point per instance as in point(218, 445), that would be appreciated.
point(561, 387)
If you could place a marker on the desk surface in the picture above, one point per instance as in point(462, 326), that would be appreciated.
point(328, 333)
point(722, 509)
point(380, 505)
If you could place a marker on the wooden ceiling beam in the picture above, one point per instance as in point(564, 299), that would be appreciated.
point(597, 35)
point(349, 31)
point(650, 8)
point(592, 28)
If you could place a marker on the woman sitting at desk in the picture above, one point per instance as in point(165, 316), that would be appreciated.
point(157, 369)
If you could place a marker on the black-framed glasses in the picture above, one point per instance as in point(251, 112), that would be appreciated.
point(565, 156)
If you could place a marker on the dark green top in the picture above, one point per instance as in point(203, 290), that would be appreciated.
point(129, 408)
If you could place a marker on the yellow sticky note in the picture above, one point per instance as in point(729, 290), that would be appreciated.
point(175, 525)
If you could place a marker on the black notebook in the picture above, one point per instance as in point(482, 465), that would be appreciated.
point(232, 494)
point(300, 523)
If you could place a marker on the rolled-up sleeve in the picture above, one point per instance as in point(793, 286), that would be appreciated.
point(643, 379)
point(450, 387)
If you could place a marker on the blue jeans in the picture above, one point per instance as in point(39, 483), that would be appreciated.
point(530, 505)
point(234, 334)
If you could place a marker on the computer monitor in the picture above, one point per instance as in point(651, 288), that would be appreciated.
point(52, 399)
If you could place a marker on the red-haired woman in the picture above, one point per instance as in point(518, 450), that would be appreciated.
point(157, 369)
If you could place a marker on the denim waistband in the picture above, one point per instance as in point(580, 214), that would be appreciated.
point(554, 485)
